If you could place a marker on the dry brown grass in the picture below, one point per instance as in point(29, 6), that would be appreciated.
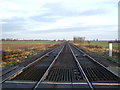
point(100, 50)
point(13, 53)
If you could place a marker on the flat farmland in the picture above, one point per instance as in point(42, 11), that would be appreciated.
point(6, 45)
point(102, 48)
point(14, 52)
point(45, 42)
point(104, 44)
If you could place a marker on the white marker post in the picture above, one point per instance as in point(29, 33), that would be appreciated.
point(110, 49)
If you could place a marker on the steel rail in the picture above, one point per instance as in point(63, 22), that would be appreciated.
point(80, 67)
point(8, 71)
point(47, 71)
point(96, 61)
point(23, 68)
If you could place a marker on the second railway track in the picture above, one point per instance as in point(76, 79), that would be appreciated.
point(66, 67)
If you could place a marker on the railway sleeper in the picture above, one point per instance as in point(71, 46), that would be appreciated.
point(99, 74)
point(63, 75)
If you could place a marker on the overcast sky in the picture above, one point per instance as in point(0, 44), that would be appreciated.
point(58, 19)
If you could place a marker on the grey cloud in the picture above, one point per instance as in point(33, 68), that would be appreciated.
point(11, 25)
point(14, 20)
point(43, 18)
point(94, 12)
point(50, 16)
point(57, 9)
point(72, 29)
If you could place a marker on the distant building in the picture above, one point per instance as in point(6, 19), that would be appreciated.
point(78, 39)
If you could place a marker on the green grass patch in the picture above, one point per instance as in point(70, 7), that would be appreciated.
point(104, 44)
point(20, 42)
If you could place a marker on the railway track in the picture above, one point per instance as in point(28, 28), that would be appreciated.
point(65, 67)
point(97, 74)
point(37, 67)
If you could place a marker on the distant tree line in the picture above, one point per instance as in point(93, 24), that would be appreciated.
point(11, 39)
point(8, 39)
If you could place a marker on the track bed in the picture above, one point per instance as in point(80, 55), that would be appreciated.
point(65, 67)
